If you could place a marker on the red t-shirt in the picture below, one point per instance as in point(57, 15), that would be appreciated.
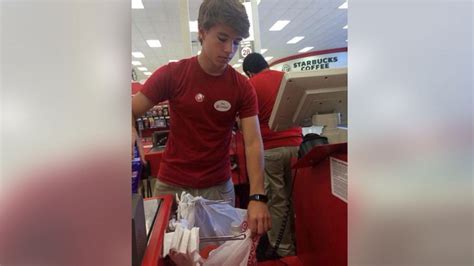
point(203, 109)
point(266, 85)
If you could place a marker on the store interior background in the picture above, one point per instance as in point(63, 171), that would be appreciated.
point(322, 23)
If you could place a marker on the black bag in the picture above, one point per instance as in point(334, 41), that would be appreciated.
point(311, 140)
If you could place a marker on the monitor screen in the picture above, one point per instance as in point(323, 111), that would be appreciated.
point(304, 94)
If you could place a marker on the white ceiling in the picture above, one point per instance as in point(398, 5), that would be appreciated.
point(321, 22)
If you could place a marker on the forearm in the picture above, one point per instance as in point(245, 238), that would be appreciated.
point(257, 211)
point(139, 105)
point(255, 166)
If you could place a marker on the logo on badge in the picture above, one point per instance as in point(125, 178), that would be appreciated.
point(199, 97)
point(222, 106)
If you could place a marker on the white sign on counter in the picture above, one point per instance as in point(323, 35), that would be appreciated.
point(339, 178)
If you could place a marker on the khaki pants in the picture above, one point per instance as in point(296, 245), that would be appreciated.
point(224, 191)
point(278, 180)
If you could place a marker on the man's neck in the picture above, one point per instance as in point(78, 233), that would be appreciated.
point(208, 67)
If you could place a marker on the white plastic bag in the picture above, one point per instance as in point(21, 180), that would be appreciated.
point(186, 206)
point(217, 218)
point(235, 253)
point(214, 218)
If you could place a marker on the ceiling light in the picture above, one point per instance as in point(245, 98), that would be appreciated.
point(138, 55)
point(268, 58)
point(262, 51)
point(237, 65)
point(279, 25)
point(173, 60)
point(136, 63)
point(142, 68)
point(305, 49)
point(345, 27)
point(296, 39)
point(153, 43)
point(147, 73)
point(343, 6)
point(137, 4)
point(193, 26)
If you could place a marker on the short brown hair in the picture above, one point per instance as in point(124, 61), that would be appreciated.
point(227, 12)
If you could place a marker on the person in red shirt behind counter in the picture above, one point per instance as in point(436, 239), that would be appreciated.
point(205, 97)
point(280, 147)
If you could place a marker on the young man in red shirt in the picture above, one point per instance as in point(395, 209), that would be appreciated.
point(205, 96)
point(280, 147)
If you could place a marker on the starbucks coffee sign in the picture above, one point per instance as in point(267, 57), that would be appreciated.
point(312, 63)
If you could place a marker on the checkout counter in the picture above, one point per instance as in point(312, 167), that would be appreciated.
point(318, 98)
point(321, 215)
point(150, 218)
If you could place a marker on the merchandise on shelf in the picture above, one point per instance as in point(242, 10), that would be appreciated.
point(157, 118)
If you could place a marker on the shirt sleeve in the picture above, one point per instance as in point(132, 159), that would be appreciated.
point(158, 86)
point(249, 106)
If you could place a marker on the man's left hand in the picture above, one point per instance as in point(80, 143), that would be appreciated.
point(258, 217)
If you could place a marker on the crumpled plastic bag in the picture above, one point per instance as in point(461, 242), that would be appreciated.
point(235, 253)
point(214, 218)
point(209, 218)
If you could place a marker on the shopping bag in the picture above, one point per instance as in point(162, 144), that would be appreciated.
point(235, 253)
point(214, 218)
point(217, 219)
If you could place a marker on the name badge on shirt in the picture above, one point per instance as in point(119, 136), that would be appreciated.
point(222, 106)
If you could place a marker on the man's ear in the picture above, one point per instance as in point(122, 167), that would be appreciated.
point(201, 34)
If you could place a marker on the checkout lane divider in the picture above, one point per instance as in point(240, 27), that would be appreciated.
point(155, 246)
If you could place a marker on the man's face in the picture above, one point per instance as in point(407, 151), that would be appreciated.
point(219, 44)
